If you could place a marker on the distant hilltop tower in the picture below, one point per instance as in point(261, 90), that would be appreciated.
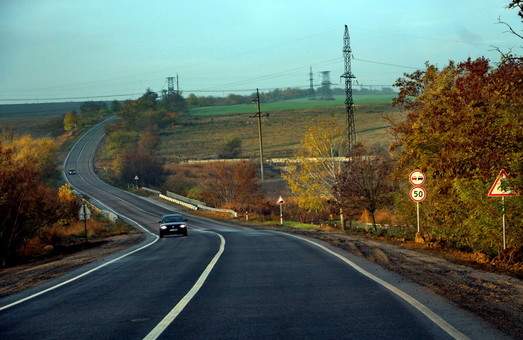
point(170, 85)
point(325, 89)
point(311, 85)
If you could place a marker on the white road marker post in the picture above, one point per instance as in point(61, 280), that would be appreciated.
point(280, 202)
point(497, 189)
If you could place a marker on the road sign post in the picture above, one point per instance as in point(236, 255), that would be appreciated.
point(497, 189)
point(417, 215)
point(342, 219)
point(504, 231)
point(280, 202)
point(417, 194)
point(84, 214)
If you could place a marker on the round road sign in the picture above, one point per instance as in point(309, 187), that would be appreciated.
point(418, 194)
point(416, 177)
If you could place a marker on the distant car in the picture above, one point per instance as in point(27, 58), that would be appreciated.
point(173, 224)
point(71, 172)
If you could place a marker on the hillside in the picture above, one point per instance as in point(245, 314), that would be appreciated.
point(202, 132)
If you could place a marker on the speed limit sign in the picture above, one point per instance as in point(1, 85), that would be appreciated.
point(418, 194)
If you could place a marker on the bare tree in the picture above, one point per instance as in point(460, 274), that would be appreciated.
point(508, 55)
point(364, 182)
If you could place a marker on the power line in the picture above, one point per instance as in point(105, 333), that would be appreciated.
point(384, 63)
point(230, 90)
point(72, 98)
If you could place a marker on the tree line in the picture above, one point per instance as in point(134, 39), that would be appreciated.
point(130, 148)
point(463, 125)
point(274, 95)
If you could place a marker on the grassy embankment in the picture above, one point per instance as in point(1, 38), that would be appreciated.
point(202, 132)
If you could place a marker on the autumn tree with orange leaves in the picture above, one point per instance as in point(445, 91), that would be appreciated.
point(464, 124)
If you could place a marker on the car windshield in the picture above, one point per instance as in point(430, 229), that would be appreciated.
point(173, 218)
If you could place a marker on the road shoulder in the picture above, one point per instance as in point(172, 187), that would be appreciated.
point(23, 281)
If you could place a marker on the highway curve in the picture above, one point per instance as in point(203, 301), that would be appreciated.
point(263, 284)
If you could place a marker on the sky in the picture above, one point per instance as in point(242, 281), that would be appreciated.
point(67, 49)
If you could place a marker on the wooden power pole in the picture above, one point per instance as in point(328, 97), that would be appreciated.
point(259, 115)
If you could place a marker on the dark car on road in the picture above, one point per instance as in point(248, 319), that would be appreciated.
point(173, 224)
point(71, 172)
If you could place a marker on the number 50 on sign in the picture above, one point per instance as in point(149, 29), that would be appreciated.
point(418, 194)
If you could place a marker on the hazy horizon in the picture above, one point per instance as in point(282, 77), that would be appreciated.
point(63, 49)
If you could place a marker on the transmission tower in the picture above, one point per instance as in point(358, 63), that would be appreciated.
point(349, 103)
point(311, 82)
point(170, 85)
point(326, 92)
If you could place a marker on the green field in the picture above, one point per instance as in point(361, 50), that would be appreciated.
point(39, 120)
point(202, 133)
point(293, 104)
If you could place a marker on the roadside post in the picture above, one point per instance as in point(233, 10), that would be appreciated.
point(417, 193)
point(342, 220)
point(281, 202)
point(83, 215)
point(497, 190)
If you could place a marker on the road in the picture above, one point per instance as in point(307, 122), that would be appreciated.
point(221, 282)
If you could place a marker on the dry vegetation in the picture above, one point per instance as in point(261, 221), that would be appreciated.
point(203, 137)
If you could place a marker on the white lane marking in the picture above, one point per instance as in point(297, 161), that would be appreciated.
point(169, 318)
point(83, 274)
point(438, 320)
point(95, 268)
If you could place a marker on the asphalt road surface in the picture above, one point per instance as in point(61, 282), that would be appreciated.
point(221, 282)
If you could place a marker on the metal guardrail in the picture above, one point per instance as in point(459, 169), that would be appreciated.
point(157, 192)
point(99, 209)
point(189, 202)
point(179, 202)
point(226, 211)
point(185, 199)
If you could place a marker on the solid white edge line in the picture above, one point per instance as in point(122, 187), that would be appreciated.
point(83, 274)
point(438, 320)
point(179, 307)
point(156, 238)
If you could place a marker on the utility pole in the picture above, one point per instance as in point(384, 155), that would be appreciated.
point(349, 103)
point(260, 137)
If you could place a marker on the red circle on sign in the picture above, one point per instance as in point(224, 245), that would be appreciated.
point(415, 196)
point(416, 177)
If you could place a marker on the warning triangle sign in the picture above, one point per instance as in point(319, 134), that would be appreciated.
point(496, 188)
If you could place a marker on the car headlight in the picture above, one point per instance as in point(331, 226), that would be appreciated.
point(163, 227)
point(182, 226)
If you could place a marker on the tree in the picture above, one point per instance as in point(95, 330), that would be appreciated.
point(316, 170)
point(364, 181)
point(70, 121)
point(463, 124)
point(26, 204)
point(38, 153)
point(173, 102)
point(116, 106)
point(232, 185)
point(231, 149)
